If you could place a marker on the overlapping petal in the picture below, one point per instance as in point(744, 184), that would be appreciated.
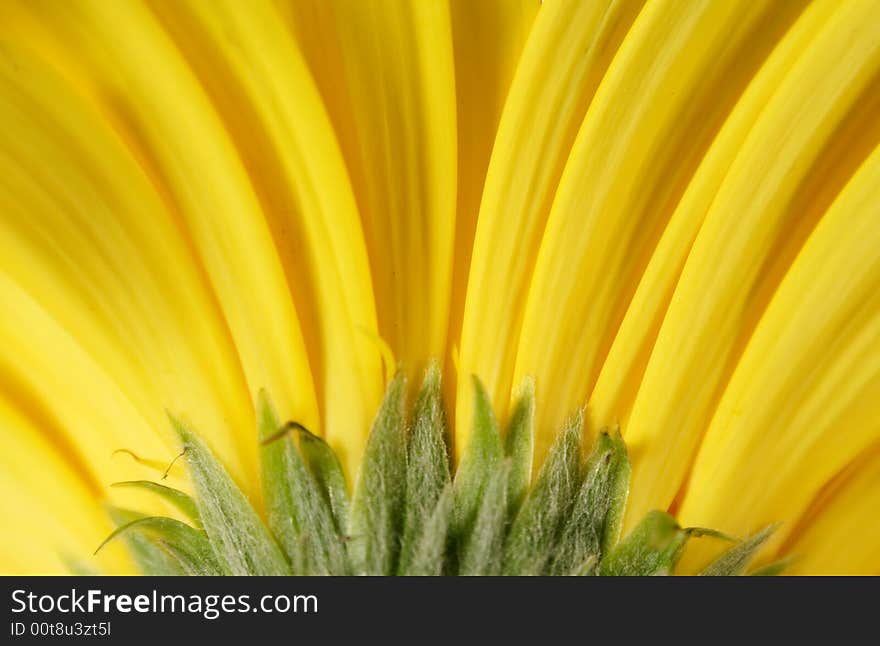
point(387, 75)
point(667, 209)
point(85, 234)
point(767, 197)
point(622, 370)
point(260, 84)
point(488, 38)
point(168, 118)
point(801, 404)
point(676, 76)
point(57, 517)
point(564, 59)
point(846, 509)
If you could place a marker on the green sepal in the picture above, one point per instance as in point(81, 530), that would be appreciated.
point(179, 499)
point(652, 548)
point(536, 528)
point(241, 542)
point(774, 568)
point(281, 505)
point(589, 567)
point(327, 471)
point(427, 554)
point(519, 447)
point(321, 545)
point(734, 561)
point(593, 525)
point(619, 471)
point(189, 547)
point(377, 509)
point(427, 477)
point(300, 511)
point(151, 558)
point(408, 516)
point(480, 548)
point(479, 465)
point(699, 532)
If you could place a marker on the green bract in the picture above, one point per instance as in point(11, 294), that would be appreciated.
point(408, 515)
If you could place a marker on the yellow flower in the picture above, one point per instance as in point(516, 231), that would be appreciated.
point(667, 210)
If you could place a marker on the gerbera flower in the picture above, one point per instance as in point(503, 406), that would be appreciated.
point(656, 217)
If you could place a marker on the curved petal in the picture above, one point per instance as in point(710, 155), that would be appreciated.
point(86, 236)
point(112, 51)
point(842, 536)
point(672, 83)
point(386, 73)
point(259, 83)
point(764, 202)
point(564, 59)
point(488, 39)
point(54, 382)
point(802, 402)
point(623, 368)
point(52, 515)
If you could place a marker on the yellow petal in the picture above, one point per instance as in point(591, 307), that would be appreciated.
point(52, 514)
point(841, 536)
point(386, 72)
point(563, 61)
point(623, 368)
point(673, 81)
point(768, 197)
point(113, 51)
point(260, 85)
point(87, 237)
point(803, 401)
point(488, 39)
point(55, 383)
